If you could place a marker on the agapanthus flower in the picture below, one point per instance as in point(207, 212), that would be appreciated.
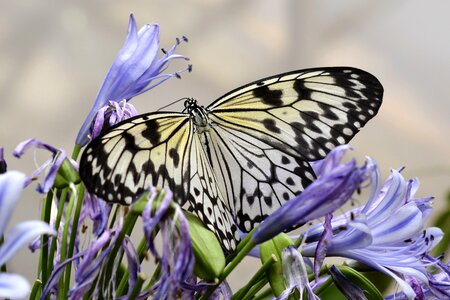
point(369, 234)
point(295, 275)
point(334, 186)
point(136, 69)
point(112, 114)
point(97, 211)
point(11, 185)
point(54, 163)
point(177, 258)
point(92, 262)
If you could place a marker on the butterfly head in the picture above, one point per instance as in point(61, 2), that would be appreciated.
point(197, 113)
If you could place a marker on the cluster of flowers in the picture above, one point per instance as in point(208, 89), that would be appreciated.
point(191, 263)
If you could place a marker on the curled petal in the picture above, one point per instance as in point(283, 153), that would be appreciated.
point(32, 143)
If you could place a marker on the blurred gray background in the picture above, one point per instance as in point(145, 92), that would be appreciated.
point(54, 56)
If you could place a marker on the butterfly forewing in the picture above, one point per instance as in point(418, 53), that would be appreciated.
point(309, 112)
point(148, 150)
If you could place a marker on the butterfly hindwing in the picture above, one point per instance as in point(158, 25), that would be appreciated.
point(256, 177)
point(207, 198)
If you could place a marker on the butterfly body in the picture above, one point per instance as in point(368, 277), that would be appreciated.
point(243, 156)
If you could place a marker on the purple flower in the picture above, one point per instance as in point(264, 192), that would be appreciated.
point(177, 259)
point(54, 162)
point(113, 112)
point(11, 185)
point(136, 69)
point(393, 245)
point(93, 260)
point(98, 211)
point(334, 186)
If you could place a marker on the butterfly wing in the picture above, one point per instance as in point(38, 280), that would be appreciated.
point(157, 149)
point(147, 150)
point(279, 124)
point(256, 178)
point(207, 198)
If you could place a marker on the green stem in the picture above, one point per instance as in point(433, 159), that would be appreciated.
point(63, 252)
point(140, 250)
point(35, 294)
point(247, 246)
point(123, 284)
point(155, 277)
point(256, 288)
point(43, 261)
point(298, 241)
point(264, 294)
point(137, 287)
point(76, 151)
point(259, 276)
point(130, 221)
point(51, 255)
point(73, 235)
point(324, 286)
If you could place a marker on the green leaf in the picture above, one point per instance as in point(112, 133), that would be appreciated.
point(274, 274)
point(209, 256)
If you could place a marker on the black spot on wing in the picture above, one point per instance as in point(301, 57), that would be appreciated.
point(175, 157)
point(271, 125)
point(151, 132)
point(268, 96)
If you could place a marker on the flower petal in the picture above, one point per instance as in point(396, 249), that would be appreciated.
point(21, 234)
point(11, 186)
point(13, 286)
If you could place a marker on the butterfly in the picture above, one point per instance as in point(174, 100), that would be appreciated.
point(241, 157)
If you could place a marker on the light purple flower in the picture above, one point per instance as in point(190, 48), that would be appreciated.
point(393, 245)
point(437, 288)
point(11, 185)
point(295, 274)
point(333, 187)
point(54, 162)
point(136, 69)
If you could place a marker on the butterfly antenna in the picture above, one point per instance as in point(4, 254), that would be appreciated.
point(172, 103)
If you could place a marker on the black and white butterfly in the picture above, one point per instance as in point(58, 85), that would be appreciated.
point(243, 156)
